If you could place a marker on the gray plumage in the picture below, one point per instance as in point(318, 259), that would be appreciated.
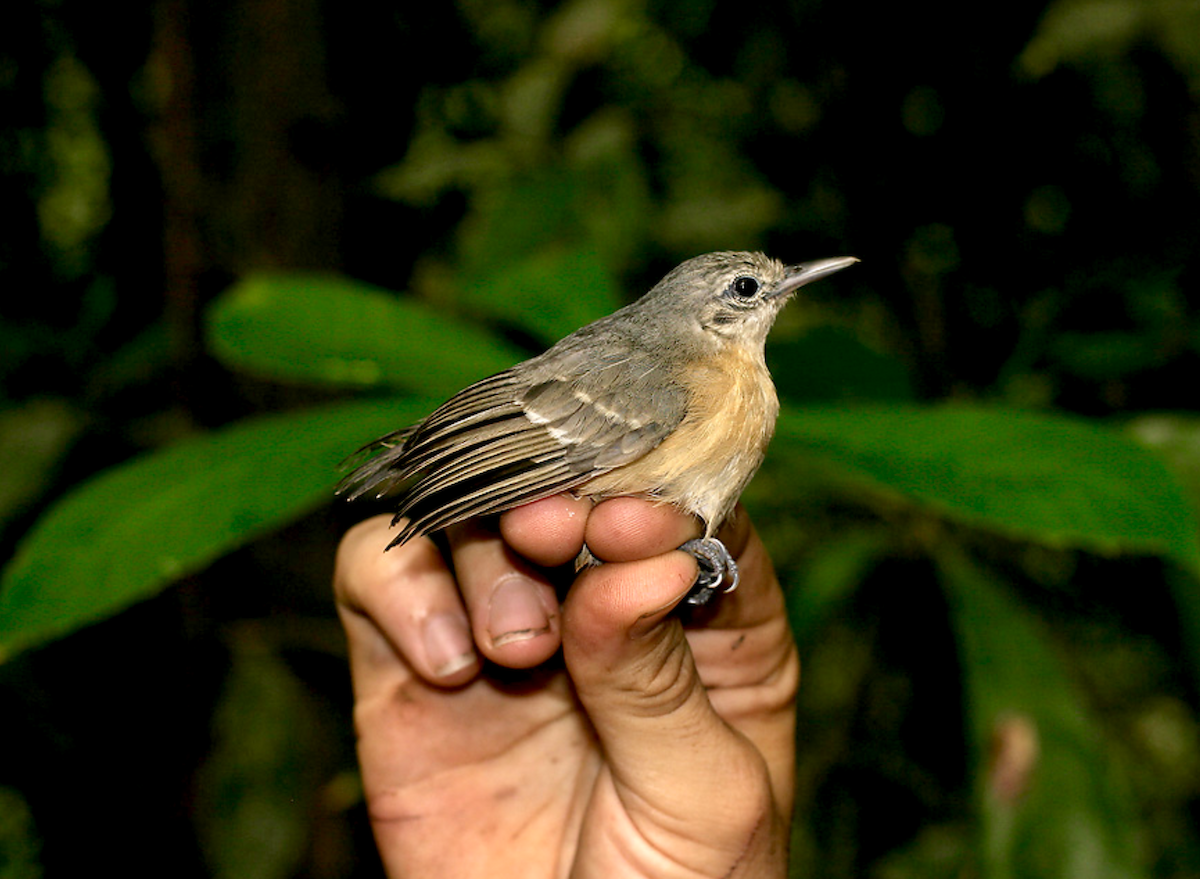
point(593, 414)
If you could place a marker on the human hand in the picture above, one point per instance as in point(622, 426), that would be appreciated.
point(647, 746)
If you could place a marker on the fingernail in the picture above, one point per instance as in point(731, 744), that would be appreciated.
point(448, 645)
point(516, 612)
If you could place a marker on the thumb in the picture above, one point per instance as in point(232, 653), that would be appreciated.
point(695, 790)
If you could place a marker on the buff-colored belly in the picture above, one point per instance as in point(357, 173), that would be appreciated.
point(703, 466)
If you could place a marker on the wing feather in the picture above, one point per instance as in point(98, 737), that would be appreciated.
point(547, 425)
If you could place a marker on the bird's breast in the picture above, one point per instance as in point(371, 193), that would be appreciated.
point(705, 463)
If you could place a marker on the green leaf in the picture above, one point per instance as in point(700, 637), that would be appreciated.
point(256, 790)
point(834, 572)
point(1174, 437)
point(1052, 479)
point(522, 216)
point(1101, 357)
point(550, 294)
point(130, 531)
point(829, 364)
point(333, 331)
point(33, 439)
point(1050, 799)
point(20, 846)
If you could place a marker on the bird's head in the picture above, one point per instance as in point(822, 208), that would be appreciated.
point(734, 296)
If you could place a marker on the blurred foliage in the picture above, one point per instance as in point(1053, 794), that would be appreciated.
point(981, 495)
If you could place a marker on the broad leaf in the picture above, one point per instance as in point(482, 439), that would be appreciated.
point(832, 575)
point(827, 365)
point(1050, 799)
point(133, 529)
point(334, 331)
point(1051, 479)
point(255, 791)
point(33, 439)
point(20, 845)
point(524, 215)
point(549, 294)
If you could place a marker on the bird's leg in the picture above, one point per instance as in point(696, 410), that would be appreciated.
point(716, 566)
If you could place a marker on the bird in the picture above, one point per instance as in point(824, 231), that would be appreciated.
point(668, 398)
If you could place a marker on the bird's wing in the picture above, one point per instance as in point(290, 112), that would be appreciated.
point(608, 409)
point(545, 426)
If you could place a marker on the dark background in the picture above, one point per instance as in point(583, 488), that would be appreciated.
point(1022, 182)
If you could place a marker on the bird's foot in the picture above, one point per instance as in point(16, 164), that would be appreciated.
point(717, 566)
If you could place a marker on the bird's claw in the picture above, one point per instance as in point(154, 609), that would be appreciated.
point(716, 567)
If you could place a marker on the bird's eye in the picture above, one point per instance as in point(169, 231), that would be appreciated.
point(744, 287)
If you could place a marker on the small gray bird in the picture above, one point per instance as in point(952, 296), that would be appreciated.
point(668, 398)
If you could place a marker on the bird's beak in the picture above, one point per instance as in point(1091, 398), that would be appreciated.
point(807, 272)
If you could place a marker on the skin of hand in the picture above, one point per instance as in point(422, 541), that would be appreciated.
point(503, 734)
